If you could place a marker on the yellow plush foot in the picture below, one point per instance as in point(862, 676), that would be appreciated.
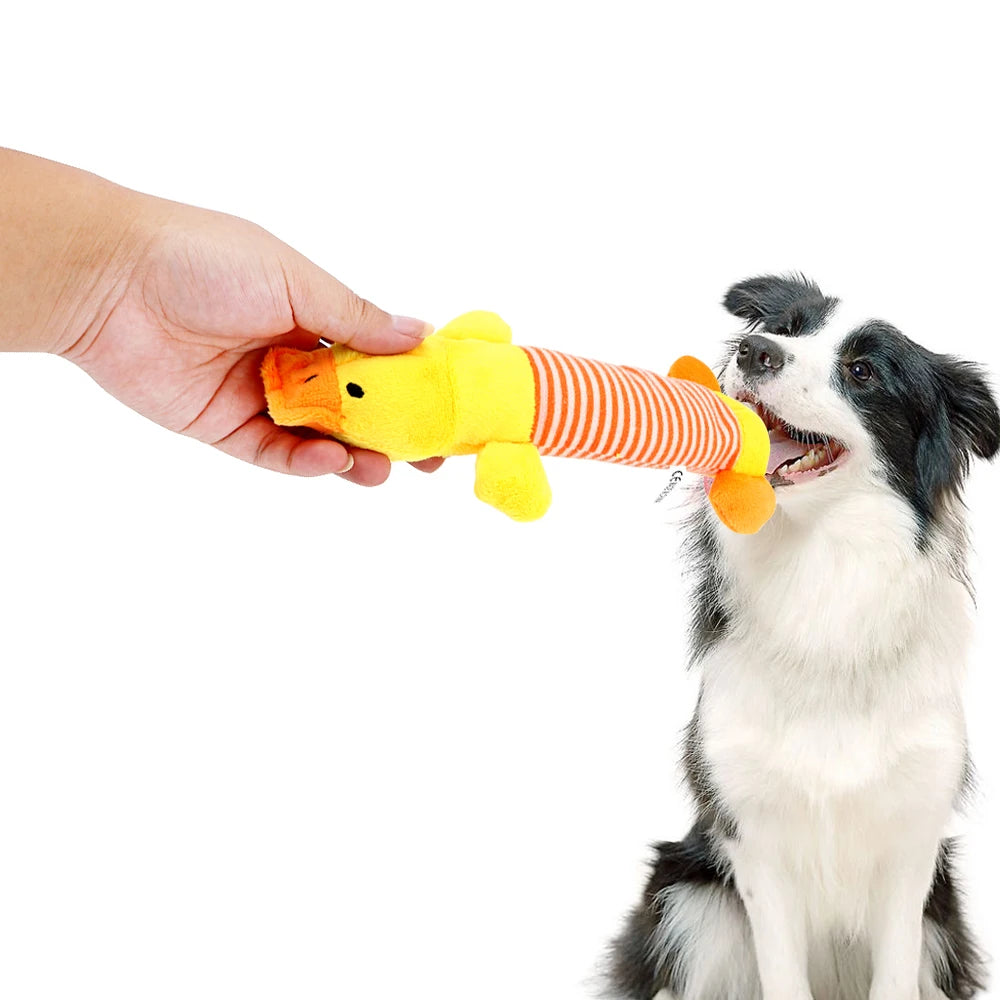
point(744, 503)
point(510, 477)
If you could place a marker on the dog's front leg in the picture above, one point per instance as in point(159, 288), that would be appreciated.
point(898, 894)
point(777, 920)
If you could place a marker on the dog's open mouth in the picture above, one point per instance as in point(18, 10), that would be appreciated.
point(797, 455)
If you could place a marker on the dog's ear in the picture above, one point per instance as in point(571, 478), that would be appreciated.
point(972, 409)
point(963, 421)
point(758, 299)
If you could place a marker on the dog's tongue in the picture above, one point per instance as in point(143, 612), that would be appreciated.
point(783, 449)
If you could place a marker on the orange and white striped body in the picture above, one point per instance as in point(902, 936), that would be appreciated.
point(591, 409)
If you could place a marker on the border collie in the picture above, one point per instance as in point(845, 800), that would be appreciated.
point(828, 747)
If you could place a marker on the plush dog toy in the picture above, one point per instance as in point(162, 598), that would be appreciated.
point(467, 389)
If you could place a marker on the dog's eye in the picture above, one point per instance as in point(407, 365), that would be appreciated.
point(862, 371)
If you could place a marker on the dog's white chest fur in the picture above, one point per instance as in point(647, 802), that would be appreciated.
point(830, 715)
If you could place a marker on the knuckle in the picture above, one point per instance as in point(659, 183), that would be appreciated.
point(289, 455)
point(359, 312)
point(261, 451)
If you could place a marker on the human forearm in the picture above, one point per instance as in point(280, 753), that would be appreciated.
point(67, 238)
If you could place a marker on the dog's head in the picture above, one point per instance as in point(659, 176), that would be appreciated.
point(852, 401)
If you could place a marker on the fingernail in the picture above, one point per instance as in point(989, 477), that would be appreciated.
point(348, 467)
point(410, 327)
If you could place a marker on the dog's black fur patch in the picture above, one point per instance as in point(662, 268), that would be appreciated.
point(964, 973)
point(712, 811)
point(791, 306)
point(709, 618)
point(636, 970)
point(928, 414)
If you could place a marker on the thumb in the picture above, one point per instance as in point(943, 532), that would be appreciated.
point(326, 307)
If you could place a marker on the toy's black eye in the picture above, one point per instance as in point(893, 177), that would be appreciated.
point(861, 370)
point(355, 390)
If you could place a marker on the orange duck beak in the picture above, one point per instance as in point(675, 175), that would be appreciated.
point(302, 388)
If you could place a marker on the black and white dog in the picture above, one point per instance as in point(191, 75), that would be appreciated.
point(828, 748)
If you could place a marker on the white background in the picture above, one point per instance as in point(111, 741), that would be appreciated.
point(264, 737)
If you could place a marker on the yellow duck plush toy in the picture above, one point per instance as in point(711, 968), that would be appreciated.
point(468, 390)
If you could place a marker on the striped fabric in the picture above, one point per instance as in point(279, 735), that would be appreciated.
point(588, 409)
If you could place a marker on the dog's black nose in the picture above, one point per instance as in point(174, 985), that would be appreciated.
point(758, 357)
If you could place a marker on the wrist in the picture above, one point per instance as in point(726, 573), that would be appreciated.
point(69, 241)
point(112, 230)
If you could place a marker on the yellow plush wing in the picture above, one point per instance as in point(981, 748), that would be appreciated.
point(478, 325)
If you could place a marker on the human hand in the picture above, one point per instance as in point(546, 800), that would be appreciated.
point(190, 318)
